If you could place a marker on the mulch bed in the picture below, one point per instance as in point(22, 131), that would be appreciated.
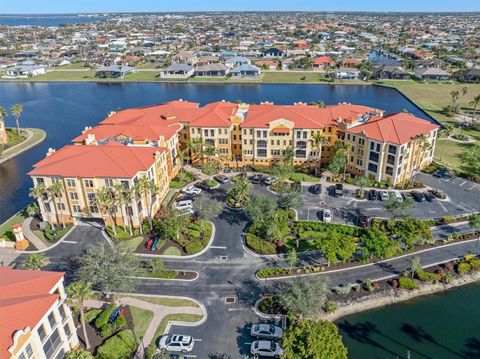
point(186, 275)
point(160, 250)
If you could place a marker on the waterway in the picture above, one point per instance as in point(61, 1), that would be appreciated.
point(64, 109)
point(45, 20)
point(439, 326)
point(379, 58)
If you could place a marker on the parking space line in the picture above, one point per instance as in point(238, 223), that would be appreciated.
point(197, 340)
point(218, 247)
point(250, 343)
point(69, 242)
point(234, 309)
point(461, 184)
point(475, 185)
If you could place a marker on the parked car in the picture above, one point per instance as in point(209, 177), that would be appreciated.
point(269, 180)
point(407, 195)
point(440, 172)
point(316, 188)
point(359, 193)
point(418, 196)
point(202, 186)
point(266, 348)
point(397, 195)
point(266, 331)
point(181, 205)
point(176, 343)
point(363, 221)
point(221, 178)
point(372, 195)
point(327, 215)
point(256, 179)
point(384, 195)
point(192, 190)
point(338, 190)
point(185, 197)
point(430, 197)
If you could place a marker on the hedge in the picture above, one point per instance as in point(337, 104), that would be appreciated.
point(108, 329)
point(194, 247)
point(104, 316)
point(192, 233)
point(259, 245)
point(210, 183)
point(272, 272)
point(463, 268)
point(92, 314)
point(407, 283)
point(425, 276)
point(120, 346)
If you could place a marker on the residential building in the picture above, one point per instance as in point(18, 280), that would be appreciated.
point(432, 73)
point(24, 71)
point(114, 71)
point(212, 70)
point(322, 63)
point(177, 70)
point(246, 70)
point(347, 73)
point(35, 320)
point(390, 72)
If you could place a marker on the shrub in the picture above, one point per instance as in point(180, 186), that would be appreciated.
point(192, 233)
point(368, 285)
point(447, 278)
point(104, 316)
point(355, 287)
point(463, 268)
point(271, 272)
point(448, 219)
point(330, 306)
point(120, 346)
point(407, 283)
point(425, 276)
point(475, 265)
point(194, 247)
point(448, 266)
point(343, 290)
point(108, 329)
point(210, 183)
point(209, 169)
point(259, 245)
point(92, 314)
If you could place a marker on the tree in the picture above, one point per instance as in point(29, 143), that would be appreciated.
point(475, 102)
point(105, 199)
point(36, 261)
point(149, 190)
point(318, 103)
point(79, 354)
point(362, 182)
point(38, 192)
point(303, 297)
point(289, 196)
point(338, 162)
point(474, 222)
point(137, 196)
point(318, 140)
point(77, 293)
point(455, 95)
point(399, 209)
point(240, 190)
point(376, 243)
point(124, 197)
point(292, 258)
point(109, 268)
point(307, 339)
point(208, 208)
point(447, 132)
point(16, 111)
point(337, 247)
point(415, 265)
point(471, 157)
point(56, 191)
point(171, 223)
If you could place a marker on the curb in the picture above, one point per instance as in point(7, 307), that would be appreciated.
point(173, 279)
point(13, 155)
point(48, 248)
point(191, 256)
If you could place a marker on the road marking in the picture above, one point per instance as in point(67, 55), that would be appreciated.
point(443, 206)
point(69, 242)
point(249, 343)
point(190, 356)
point(461, 184)
point(218, 247)
point(475, 185)
point(432, 211)
point(197, 340)
point(234, 309)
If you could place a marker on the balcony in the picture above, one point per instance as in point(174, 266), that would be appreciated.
point(261, 144)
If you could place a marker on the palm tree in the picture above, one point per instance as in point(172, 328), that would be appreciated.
point(3, 114)
point(149, 189)
point(209, 151)
point(415, 265)
point(16, 111)
point(77, 293)
point(447, 132)
point(124, 197)
point(38, 192)
point(318, 140)
point(240, 190)
point(36, 261)
point(181, 155)
point(56, 191)
point(105, 199)
point(137, 195)
point(190, 148)
point(475, 102)
point(474, 222)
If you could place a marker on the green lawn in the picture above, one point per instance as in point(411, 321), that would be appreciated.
point(172, 251)
point(168, 302)
point(190, 318)
point(142, 76)
point(65, 76)
point(286, 76)
point(141, 320)
point(76, 66)
point(134, 242)
point(149, 65)
point(13, 138)
point(303, 177)
point(6, 227)
point(38, 136)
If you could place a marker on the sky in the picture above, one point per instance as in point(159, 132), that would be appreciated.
point(86, 6)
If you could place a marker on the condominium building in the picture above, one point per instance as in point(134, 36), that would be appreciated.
point(144, 143)
point(35, 320)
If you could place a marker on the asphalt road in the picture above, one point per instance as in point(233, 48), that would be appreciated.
point(226, 270)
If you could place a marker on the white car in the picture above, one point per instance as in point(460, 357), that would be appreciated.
point(183, 205)
point(266, 348)
point(269, 180)
point(384, 195)
point(266, 331)
point(327, 215)
point(192, 190)
point(176, 343)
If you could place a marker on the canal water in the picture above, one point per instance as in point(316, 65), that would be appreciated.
point(439, 326)
point(64, 109)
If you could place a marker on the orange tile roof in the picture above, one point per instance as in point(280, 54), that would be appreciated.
point(216, 114)
point(109, 160)
point(396, 128)
point(24, 300)
point(323, 60)
point(349, 112)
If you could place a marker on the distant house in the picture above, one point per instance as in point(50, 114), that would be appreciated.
point(212, 70)
point(114, 71)
point(237, 61)
point(24, 71)
point(177, 70)
point(472, 75)
point(273, 53)
point(205, 60)
point(186, 57)
point(390, 72)
point(322, 63)
point(432, 73)
point(349, 73)
point(267, 64)
point(246, 70)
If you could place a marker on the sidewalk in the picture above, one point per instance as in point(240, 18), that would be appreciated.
point(37, 242)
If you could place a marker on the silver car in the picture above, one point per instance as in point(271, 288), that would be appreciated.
point(266, 331)
point(265, 348)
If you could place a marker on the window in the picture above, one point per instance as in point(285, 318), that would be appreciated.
point(205, 132)
point(275, 152)
point(272, 142)
point(391, 159)
point(61, 311)
point(359, 162)
point(361, 141)
point(21, 356)
point(212, 133)
point(225, 131)
point(47, 207)
point(89, 183)
point(372, 146)
point(374, 156)
point(378, 147)
point(372, 167)
point(301, 153)
point(68, 333)
point(40, 180)
point(74, 195)
point(76, 208)
point(42, 333)
point(262, 144)
point(91, 197)
point(93, 209)
point(51, 320)
point(71, 182)
point(389, 170)
point(392, 149)
point(108, 182)
point(52, 344)
point(261, 152)
point(29, 351)
point(125, 184)
point(61, 206)
point(301, 144)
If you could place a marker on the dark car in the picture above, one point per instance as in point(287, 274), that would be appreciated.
point(202, 185)
point(440, 173)
point(257, 179)
point(338, 190)
point(185, 197)
point(316, 188)
point(372, 195)
point(363, 221)
point(430, 197)
point(221, 178)
point(418, 196)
